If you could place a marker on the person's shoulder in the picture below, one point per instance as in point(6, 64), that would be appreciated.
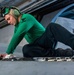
point(27, 15)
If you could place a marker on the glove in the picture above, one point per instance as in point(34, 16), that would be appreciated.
point(9, 56)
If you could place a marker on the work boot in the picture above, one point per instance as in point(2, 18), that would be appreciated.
point(64, 52)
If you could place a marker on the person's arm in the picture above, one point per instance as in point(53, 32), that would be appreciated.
point(18, 36)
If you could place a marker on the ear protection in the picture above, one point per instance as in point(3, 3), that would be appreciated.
point(6, 10)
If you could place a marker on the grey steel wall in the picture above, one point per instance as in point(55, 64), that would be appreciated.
point(48, 17)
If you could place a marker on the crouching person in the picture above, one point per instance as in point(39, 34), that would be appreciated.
point(41, 40)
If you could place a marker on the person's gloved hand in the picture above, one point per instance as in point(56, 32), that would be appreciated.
point(8, 56)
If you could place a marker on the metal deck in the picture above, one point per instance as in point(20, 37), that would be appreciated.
point(34, 67)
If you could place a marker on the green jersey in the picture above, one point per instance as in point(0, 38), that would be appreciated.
point(28, 28)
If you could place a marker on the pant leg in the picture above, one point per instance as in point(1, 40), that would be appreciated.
point(61, 34)
point(53, 33)
point(47, 40)
point(31, 50)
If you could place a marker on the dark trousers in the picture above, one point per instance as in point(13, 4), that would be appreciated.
point(44, 45)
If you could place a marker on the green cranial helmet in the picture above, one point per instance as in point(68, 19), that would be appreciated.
point(6, 10)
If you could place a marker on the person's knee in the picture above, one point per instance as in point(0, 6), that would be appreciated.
point(25, 51)
point(51, 26)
